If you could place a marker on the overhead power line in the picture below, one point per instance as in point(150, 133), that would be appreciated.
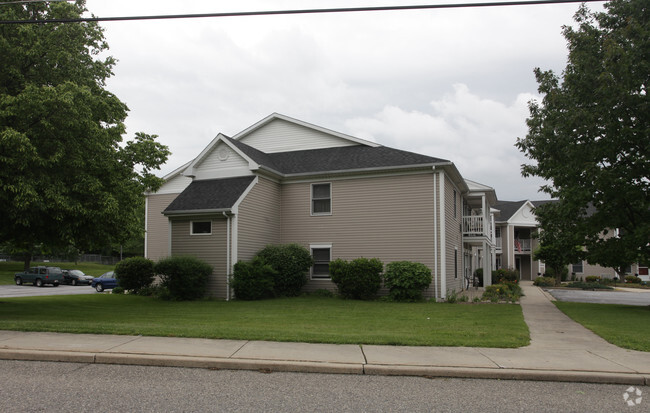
point(304, 11)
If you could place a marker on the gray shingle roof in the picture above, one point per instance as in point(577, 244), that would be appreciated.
point(210, 194)
point(508, 208)
point(335, 159)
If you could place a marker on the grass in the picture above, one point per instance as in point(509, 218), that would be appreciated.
point(622, 325)
point(8, 268)
point(301, 319)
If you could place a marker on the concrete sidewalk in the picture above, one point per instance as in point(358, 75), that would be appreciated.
point(560, 350)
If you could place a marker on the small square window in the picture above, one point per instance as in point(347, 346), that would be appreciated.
point(321, 199)
point(201, 227)
point(321, 267)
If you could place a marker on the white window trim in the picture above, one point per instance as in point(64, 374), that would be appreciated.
point(578, 272)
point(312, 247)
point(200, 234)
point(311, 200)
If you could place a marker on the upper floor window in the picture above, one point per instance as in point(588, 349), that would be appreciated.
point(455, 205)
point(321, 199)
point(201, 227)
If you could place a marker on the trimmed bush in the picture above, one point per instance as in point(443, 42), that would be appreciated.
point(544, 281)
point(592, 278)
point(406, 280)
point(135, 273)
point(589, 286)
point(478, 273)
point(184, 278)
point(632, 279)
point(359, 279)
point(292, 263)
point(253, 280)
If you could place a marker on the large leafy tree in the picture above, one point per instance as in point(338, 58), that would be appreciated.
point(66, 177)
point(589, 137)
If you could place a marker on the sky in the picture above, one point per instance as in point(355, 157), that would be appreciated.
point(448, 83)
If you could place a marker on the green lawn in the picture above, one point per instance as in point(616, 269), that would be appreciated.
point(626, 326)
point(301, 319)
point(7, 269)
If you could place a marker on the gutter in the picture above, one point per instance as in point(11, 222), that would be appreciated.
point(196, 212)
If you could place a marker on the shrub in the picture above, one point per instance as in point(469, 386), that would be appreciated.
point(406, 280)
point(117, 290)
point(135, 273)
point(478, 273)
point(323, 293)
point(544, 281)
point(185, 278)
point(588, 286)
point(502, 292)
point(359, 279)
point(253, 280)
point(632, 279)
point(550, 272)
point(502, 275)
point(291, 262)
point(592, 278)
point(452, 297)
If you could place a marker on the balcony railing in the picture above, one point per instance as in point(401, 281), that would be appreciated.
point(523, 245)
point(473, 225)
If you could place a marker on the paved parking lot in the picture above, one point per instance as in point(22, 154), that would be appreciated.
point(7, 291)
point(640, 298)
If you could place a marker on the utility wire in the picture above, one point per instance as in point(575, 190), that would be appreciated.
point(304, 11)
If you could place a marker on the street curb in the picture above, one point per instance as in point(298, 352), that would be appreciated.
point(269, 366)
point(509, 374)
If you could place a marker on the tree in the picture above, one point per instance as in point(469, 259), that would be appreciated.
point(560, 239)
point(66, 178)
point(589, 137)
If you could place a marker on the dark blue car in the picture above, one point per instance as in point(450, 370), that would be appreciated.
point(105, 281)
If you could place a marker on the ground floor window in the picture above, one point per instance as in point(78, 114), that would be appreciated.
point(201, 227)
point(577, 268)
point(322, 255)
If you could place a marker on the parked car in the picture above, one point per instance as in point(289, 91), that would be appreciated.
point(76, 277)
point(39, 276)
point(105, 281)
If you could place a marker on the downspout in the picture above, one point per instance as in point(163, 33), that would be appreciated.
point(435, 239)
point(146, 226)
point(227, 256)
point(443, 239)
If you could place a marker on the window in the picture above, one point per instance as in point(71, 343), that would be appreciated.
point(322, 256)
point(321, 199)
point(628, 269)
point(455, 205)
point(201, 227)
point(577, 268)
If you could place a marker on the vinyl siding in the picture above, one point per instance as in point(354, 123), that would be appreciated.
point(453, 236)
point(389, 218)
point(259, 219)
point(282, 136)
point(209, 248)
point(175, 185)
point(157, 231)
point(217, 166)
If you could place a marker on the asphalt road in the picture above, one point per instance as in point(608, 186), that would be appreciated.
point(7, 291)
point(68, 387)
point(603, 297)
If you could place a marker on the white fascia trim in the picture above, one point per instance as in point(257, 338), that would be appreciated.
point(276, 115)
point(197, 212)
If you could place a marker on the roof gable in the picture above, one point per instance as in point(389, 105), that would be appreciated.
point(220, 159)
point(279, 133)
